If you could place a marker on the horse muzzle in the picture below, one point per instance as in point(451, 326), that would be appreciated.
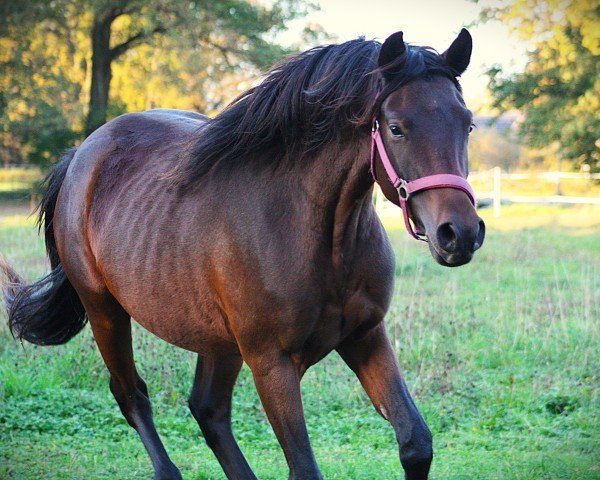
point(454, 242)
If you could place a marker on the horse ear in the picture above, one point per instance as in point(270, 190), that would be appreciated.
point(391, 49)
point(458, 54)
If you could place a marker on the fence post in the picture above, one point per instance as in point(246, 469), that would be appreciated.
point(497, 199)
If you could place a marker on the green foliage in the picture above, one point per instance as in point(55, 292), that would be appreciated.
point(501, 355)
point(41, 81)
point(559, 90)
point(164, 53)
point(47, 134)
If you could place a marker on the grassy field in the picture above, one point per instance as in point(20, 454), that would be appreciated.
point(502, 355)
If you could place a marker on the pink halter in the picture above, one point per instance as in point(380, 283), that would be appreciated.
point(407, 188)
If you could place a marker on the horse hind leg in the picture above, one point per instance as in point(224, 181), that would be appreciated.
point(111, 326)
point(210, 403)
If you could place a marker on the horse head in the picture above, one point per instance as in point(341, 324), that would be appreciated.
point(423, 127)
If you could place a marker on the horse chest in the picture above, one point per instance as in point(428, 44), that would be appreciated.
point(355, 305)
point(359, 311)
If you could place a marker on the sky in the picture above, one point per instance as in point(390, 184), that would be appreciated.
point(426, 22)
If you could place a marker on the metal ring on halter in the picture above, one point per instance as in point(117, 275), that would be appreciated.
point(375, 126)
point(403, 192)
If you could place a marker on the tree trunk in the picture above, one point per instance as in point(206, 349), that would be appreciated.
point(101, 72)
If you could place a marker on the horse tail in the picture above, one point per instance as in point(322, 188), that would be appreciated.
point(49, 311)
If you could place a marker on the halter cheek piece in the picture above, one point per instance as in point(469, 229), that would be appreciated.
point(407, 188)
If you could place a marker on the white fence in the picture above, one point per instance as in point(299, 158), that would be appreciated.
point(495, 176)
point(496, 198)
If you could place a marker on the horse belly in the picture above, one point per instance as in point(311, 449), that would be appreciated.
point(181, 313)
point(199, 330)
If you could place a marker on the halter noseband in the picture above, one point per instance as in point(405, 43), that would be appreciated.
point(406, 188)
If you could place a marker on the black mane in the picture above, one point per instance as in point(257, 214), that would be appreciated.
point(305, 103)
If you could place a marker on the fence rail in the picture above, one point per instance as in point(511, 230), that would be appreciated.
point(550, 176)
point(496, 198)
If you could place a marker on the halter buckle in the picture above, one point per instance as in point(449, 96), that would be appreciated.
point(375, 126)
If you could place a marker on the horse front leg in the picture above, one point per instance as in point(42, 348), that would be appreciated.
point(371, 357)
point(277, 381)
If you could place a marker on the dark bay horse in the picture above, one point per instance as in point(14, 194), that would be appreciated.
point(252, 237)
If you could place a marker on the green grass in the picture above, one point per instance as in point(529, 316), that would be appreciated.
point(502, 356)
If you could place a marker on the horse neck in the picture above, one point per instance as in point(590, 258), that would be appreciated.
point(339, 187)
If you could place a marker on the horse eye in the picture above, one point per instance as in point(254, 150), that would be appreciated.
point(396, 132)
point(471, 127)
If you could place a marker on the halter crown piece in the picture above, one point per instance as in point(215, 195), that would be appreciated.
point(405, 187)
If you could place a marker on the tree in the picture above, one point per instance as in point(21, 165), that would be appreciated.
point(559, 89)
point(232, 27)
point(41, 74)
point(66, 51)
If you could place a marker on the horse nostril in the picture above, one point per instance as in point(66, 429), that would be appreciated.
point(447, 238)
point(480, 236)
